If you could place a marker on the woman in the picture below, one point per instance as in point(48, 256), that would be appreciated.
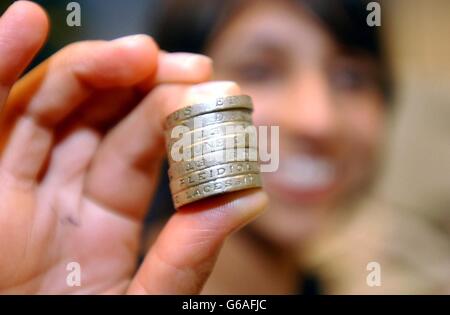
point(315, 69)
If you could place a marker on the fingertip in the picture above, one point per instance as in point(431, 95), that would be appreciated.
point(118, 63)
point(230, 211)
point(250, 203)
point(141, 45)
point(137, 55)
point(183, 67)
point(199, 66)
point(205, 91)
point(184, 254)
point(32, 14)
point(23, 30)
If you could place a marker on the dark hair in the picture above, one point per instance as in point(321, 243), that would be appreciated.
point(188, 25)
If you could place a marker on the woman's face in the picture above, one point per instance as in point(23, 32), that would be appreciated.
point(326, 103)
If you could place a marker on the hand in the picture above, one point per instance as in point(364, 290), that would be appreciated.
point(80, 152)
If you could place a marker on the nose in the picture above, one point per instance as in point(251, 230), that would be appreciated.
point(310, 111)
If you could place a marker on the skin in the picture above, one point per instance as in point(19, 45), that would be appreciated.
point(328, 106)
point(80, 150)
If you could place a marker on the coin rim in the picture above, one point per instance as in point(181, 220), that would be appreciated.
point(206, 116)
point(174, 171)
point(244, 102)
point(246, 145)
point(170, 141)
point(176, 187)
point(256, 184)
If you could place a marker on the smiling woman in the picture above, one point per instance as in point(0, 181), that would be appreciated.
point(315, 69)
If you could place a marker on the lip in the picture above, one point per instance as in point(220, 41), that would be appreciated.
point(300, 195)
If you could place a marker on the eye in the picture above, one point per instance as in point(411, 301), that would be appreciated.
point(257, 73)
point(348, 78)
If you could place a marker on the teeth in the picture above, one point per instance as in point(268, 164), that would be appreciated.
point(307, 172)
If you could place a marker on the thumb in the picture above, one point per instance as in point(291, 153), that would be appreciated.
point(185, 252)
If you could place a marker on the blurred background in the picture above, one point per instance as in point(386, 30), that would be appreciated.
point(361, 202)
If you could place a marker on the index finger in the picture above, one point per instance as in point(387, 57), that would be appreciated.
point(23, 29)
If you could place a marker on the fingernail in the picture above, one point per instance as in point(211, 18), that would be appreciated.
point(205, 91)
point(191, 61)
point(132, 40)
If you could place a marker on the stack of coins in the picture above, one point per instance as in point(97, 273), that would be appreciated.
point(212, 149)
